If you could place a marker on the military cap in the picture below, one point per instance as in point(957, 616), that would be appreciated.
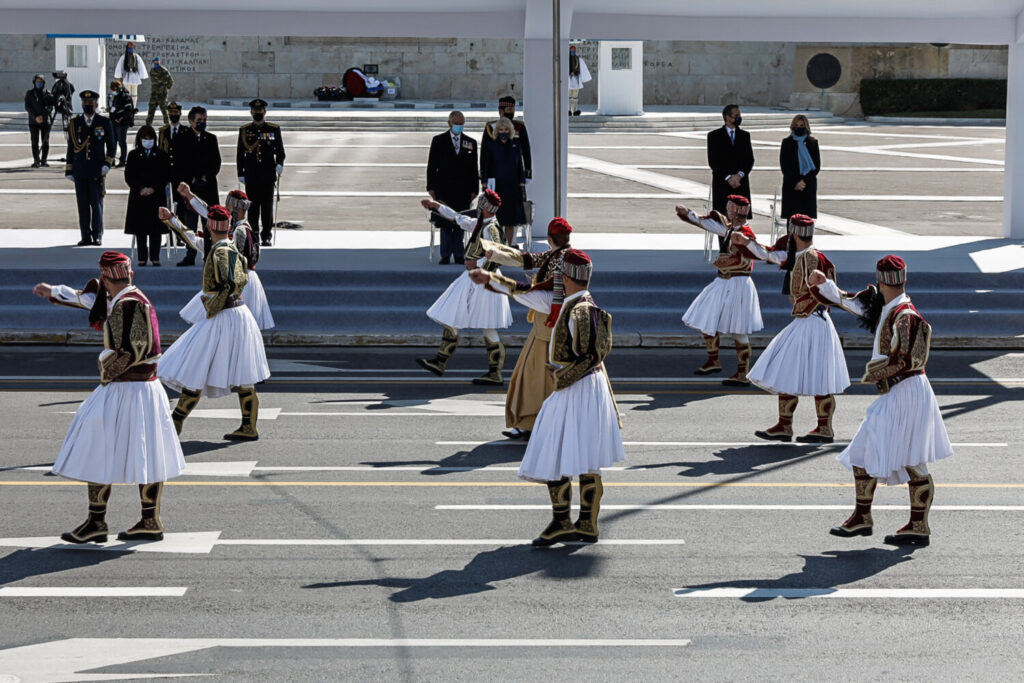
point(506, 99)
point(174, 108)
point(258, 102)
point(89, 95)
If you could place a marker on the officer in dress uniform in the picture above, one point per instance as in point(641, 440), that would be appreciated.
point(89, 158)
point(260, 161)
point(169, 137)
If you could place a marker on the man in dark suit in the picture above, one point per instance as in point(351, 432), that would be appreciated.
point(89, 158)
point(197, 164)
point(452, 180)
point(260, 162)
point(39, 105)
point(731, 157)
point(169, 138)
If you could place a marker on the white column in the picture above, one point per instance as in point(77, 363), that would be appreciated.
point(1013, 180)
point(540, 110)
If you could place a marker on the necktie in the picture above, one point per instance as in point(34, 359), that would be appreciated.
point(732, 136)
point(455, 141)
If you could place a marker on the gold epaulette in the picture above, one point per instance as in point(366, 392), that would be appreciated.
point(272, 125)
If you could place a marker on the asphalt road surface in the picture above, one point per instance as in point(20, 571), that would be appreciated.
point(377, 531)
point(924, 180)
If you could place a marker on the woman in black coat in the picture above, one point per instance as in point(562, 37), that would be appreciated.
point(147, 173)
point(503, 165)
point(800, 160)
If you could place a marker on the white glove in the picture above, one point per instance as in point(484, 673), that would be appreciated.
point(241, 180)
point(528, 181)
point(104, 171)
point(70, 177)
point(490, 184)
point(280, 169)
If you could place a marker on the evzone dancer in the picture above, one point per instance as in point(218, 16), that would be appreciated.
point(122, 433)
point(464, 305)
point(577, 431)
point(246, 241)
point(531, 382)
point(224, 350)
point(729, 305)
point(903, 429)
point(806, 357)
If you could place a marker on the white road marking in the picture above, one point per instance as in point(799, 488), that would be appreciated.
point(760, 508)
point(196, 469)
point(912, 155)
point(60, 660)
point(831, 169)
point(689, 188)
point(431, 541)
point(93, 592)
point(511, 442)
point(857, 593)
point(202, 543)
point(213, 413)
point(197, 543)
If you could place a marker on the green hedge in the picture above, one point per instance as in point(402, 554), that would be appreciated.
point(880, 96)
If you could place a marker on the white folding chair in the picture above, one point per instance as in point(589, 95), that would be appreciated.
point(779, 225)
point(433, 238)
point(527, 228)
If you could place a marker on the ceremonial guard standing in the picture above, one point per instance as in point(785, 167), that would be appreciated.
point(578, 429)
point(903, 430)
point(531, 382)
point(806, 357)
point(463, 304)
point(122, 433)
point(246, 242)
point(224, 350)
point(729, 305)
point(89, 158)
point(260, 163)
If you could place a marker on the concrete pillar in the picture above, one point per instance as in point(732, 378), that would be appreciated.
point(540, 109)
point(1013, 181)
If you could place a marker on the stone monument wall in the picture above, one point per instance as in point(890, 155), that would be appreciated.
point(675, 72)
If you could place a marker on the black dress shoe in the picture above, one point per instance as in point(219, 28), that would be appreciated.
point(185, 262)
point(84, 243)
point(142, 264)
point(36, 164)
point(156, 264)
point(265, 243)
point(444, 262)
point(44, 164)
point(97, 242)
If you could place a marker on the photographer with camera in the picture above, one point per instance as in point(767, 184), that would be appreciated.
point(62, 105)
point(39, 105)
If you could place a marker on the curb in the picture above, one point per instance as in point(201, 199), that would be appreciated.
point(927, 121)
point(77, 337)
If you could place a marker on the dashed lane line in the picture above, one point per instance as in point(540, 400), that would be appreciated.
point(494, 484)
point(755, 594)
point(733, 507)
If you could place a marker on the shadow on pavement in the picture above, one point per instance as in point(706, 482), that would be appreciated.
point(486, 568)
point(28, 562)
point(495, 453)
point(829, 570)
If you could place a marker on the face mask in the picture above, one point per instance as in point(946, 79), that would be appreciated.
point(258, 116)
point(458, 128)
point(131, 50)
point(175, 119)
point(200, 126)
point(88, 109)
point(799, 131)
point(504, 137)
point(737, 121)
point(39, 85)
point(148, 143)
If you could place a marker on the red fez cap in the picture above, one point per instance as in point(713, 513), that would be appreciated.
point(892, 270)
point(559, 226)
point(492, 197)
point(115, 265)
point(577, 265)
point(218, 218)
point(801, 219)
point(238, 194)
point(738, 200)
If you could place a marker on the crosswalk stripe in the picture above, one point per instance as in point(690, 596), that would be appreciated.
point(92, 592)
point(428, 541)
point(731, 507)
point(858, 593)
